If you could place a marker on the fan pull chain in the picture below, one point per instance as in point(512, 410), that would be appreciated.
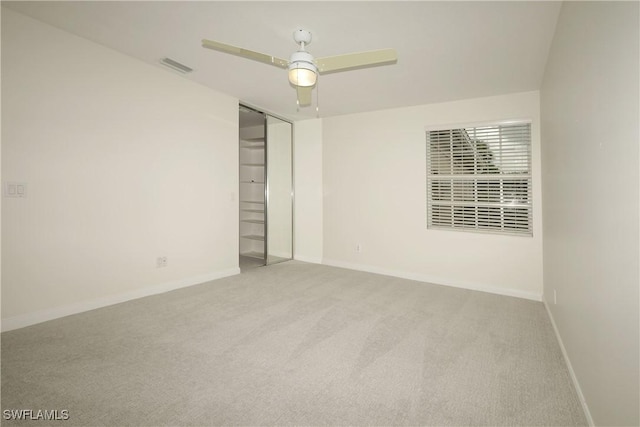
point(318, 99)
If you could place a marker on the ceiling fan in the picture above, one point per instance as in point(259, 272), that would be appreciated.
point(303, 68)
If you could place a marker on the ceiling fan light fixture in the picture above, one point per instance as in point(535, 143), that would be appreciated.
point(302, 74)
point(302, 70)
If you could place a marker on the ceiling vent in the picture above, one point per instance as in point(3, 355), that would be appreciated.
point(176, 65)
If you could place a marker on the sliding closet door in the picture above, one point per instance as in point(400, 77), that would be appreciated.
point(279, 191)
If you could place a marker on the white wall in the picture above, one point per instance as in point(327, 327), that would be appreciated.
point(1, 9)
point(124, 162)
point(308, 222)
point(590, 134)
point(374, 171)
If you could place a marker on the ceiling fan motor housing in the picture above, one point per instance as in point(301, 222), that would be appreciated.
point(301, 56)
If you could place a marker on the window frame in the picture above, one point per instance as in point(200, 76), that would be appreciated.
point(503, 228)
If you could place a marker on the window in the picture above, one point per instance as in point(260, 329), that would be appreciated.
point(479, 179)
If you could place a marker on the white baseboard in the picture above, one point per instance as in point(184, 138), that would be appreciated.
point(29, 319)
point(436, 280)
point(312, 260)
point(572, 373)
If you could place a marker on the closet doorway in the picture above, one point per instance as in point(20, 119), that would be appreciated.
point(266, 189)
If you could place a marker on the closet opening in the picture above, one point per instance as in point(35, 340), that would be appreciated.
point(266, 189)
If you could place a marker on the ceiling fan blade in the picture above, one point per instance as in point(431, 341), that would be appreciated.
point(245, 53)
point(352, 61)
point(304, 95)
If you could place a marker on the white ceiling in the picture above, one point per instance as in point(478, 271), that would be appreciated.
point(446, 50)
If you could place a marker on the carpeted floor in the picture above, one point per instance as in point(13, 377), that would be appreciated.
point(296, 344)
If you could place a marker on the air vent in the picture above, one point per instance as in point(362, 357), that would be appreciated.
point(176, 65)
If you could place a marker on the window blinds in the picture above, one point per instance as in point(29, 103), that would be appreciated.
point(479, 178)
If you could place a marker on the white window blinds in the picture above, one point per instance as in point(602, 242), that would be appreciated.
point(479, 178)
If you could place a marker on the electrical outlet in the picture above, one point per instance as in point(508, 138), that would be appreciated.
point(161, 261)
point(358, 247)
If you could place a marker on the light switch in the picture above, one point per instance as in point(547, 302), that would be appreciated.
point(15, 189)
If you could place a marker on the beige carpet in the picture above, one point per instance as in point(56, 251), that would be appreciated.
point(301, 344)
